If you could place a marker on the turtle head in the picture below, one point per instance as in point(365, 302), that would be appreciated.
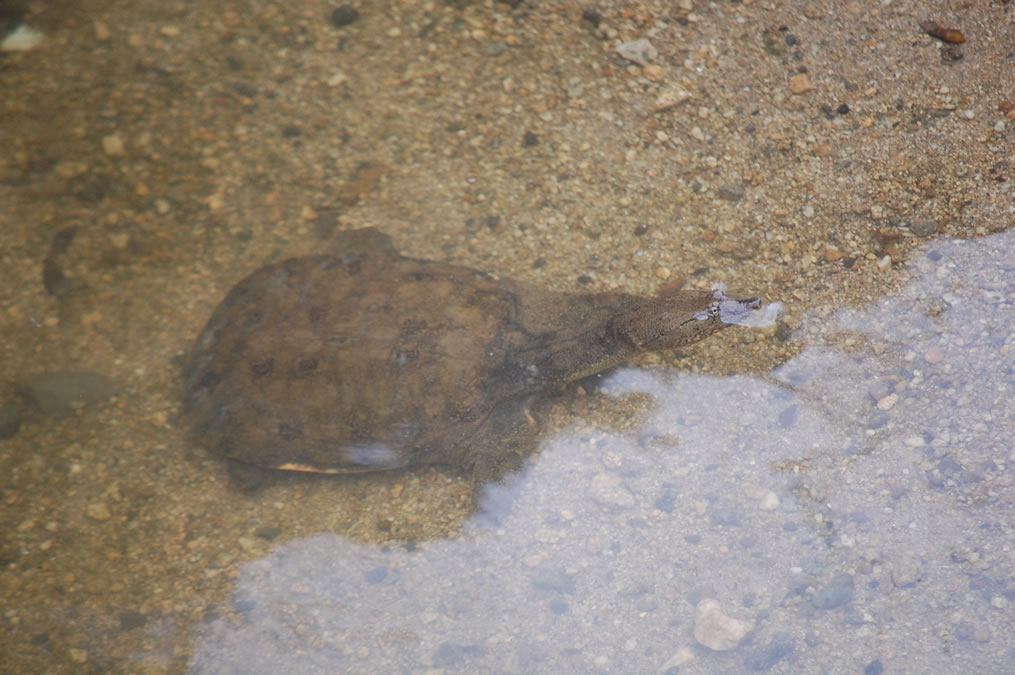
point(682, 317)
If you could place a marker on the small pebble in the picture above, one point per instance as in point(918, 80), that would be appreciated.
point(113, 145)
point(833, 254)
point(732, 192)
point(907, 571)
point(769, 502)
point(57, 394)
point(653, 72)
point(21, 39)
point(70, 169)
point(553, 580)
point(923, 228)
point(98, 511)
point(344, 15)
point(607, 490)
point(874, 668)
point(592, 15)
point(682, 657)
point(130, 620)
point(639, 51)
point(102, 32)
point(966, 631)
point(267, 532)
point(836, 593)
point(670, 99)
point(715, 629)
point(888, 402)
point(376, 575)
point(448, 655)
point(800, 83)
point(762, 660)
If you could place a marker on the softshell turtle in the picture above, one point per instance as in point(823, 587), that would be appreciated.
point(366, 360)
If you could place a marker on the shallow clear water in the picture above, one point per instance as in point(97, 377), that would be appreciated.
point(855, 507)
point(851, 511)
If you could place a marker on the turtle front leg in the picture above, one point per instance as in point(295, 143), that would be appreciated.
point(496, 482)
point(511, 435)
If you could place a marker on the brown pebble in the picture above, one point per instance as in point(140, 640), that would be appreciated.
point(653, 72)
point(800, 84)
point(670, 99)
point(949, 35)
point(102, 32)
point(98, 511)
point(888, 402)
point(833, 254)
point(934, 355)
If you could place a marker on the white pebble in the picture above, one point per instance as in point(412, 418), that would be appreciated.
point(770, 501)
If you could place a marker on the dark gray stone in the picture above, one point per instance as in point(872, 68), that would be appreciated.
point(764, 658)
point(923, 228)
point(57, 394)
point(553, 580)
point(836, 593)
point(732, 193)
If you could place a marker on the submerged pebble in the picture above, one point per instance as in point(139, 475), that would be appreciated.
point(836, 593)
point(639, 51)
point(715, 629)
point(57, 394)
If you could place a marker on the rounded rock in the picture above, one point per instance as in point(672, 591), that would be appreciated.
point(715, 629)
